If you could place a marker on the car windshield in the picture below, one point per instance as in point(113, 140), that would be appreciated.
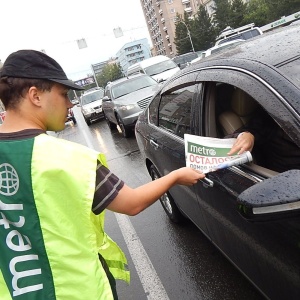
point(182, 59)
point(132, 85)
point(160, 67)
point(91, 97)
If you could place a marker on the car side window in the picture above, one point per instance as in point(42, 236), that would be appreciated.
point(175, 111)
point(230, 110)
point(153, 110)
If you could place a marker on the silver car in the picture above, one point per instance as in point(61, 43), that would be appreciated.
point(124, 100)
point(91, 105)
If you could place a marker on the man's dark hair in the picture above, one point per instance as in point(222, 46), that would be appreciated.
point(13, 89)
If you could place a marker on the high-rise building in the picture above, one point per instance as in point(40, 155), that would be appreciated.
point(161, 18)
point(133, 52)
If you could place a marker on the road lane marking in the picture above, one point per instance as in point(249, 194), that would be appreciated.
point(151, 283)
point(88, 141)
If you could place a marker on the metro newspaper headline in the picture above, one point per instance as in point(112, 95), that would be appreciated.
point(210, 154)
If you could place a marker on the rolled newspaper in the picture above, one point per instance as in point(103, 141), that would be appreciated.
point(235, 161)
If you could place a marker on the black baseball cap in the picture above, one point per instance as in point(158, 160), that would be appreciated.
point(36, 65)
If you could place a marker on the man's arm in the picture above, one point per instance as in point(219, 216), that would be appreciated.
point(131, 201)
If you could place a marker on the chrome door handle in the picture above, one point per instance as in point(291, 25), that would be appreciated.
point(154, 144)
point(207, 182)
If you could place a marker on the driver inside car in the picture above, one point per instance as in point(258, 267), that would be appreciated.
point(270, 145)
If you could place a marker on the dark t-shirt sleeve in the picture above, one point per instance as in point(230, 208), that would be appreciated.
point(108, 186)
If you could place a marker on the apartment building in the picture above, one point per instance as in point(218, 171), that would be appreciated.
point(160, 16)
point(133, 52)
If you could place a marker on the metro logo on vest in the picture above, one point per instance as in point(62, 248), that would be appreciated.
point(20, 233)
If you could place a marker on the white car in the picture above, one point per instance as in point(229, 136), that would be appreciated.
point(91, 105)
point(159, 67)
point(217, 49)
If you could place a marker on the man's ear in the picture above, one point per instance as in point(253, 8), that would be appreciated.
point(34, 96)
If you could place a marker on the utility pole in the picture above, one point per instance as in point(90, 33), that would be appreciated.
point(188, 33)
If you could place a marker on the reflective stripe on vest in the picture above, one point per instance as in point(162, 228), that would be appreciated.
point(51, 237)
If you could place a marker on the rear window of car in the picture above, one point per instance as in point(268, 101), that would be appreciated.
point(160, 67)
point(91, 97)
point(182, 59)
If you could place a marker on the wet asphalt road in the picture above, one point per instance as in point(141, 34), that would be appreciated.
point(169, 261)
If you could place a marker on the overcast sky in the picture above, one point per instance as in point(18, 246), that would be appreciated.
point(56, 25)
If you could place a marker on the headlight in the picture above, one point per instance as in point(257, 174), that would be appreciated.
point(88, 110)
point(127, 107)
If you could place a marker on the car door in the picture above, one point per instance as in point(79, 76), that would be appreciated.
point(266, 252)
point(170, 117)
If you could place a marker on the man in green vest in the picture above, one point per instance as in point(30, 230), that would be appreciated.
point(53, 193)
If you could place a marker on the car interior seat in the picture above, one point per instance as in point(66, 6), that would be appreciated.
point(241, 111)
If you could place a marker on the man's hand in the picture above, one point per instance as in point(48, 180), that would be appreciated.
point(244, 142)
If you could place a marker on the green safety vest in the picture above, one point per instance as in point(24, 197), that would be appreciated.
point(49, 237)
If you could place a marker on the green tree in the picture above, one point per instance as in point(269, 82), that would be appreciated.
point(257, 12)
point(279, 8)
point(222, 14)
point(262, 12)
point(202, 30)
point(181, 39)
point(238, 12)
point(110, 72)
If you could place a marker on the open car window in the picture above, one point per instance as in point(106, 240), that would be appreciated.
point(230, 110)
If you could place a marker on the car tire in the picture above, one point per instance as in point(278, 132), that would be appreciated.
point(88, 122)
point(110, 124)
point(74, 121)
point(167, 201)
point(126, 131)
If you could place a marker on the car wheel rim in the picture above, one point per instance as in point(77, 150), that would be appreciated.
point(166, 203)
point(122, 126)
point(164, 199)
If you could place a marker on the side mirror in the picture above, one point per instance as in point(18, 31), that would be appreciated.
point(272, 199)
point(105, 99)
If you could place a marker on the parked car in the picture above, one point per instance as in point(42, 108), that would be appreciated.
point(75, 101)
point(251, 213)
point(184, 59)
point(124, 100)
point(71, 116)
point(91, 105)
point(159, 67)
